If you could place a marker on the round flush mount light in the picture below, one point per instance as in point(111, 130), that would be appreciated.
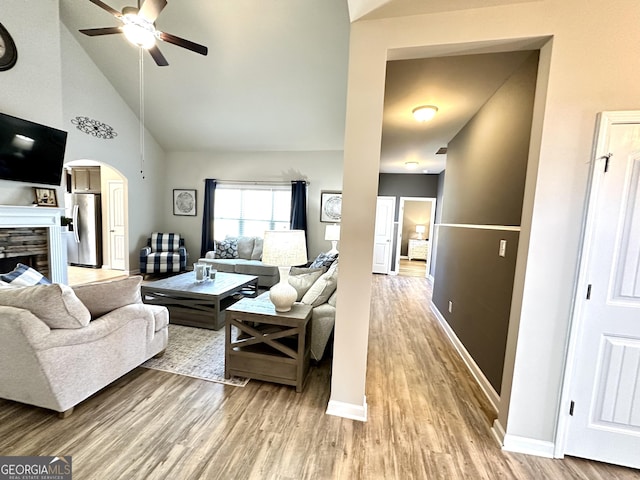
point(410, 165)
point(424, 113)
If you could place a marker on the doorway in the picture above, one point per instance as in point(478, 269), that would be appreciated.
point(416, 218)
point(109, 187)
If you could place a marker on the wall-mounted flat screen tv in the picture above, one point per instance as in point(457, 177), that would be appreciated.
point(30, 152)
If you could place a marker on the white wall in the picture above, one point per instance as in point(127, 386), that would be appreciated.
point(86, 92)
point(32, 88)
point(579, 62)
point(189, 169)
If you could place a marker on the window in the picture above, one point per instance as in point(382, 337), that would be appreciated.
point(251, 209)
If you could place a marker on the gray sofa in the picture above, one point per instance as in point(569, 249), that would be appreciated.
point(59, 345)
point(245, 259)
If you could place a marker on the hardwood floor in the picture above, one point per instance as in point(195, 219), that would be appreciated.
point(412, 268)
point(82, 275)
point(427, 419)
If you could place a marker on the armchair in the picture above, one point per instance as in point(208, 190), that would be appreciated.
point(165, 252)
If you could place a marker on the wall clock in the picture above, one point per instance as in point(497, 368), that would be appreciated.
point(8, 51)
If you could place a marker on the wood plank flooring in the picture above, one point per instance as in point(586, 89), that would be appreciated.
point(427, 419)
point(412, 268)
point(82, 275)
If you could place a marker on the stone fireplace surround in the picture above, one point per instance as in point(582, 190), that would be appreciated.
point(46, 217)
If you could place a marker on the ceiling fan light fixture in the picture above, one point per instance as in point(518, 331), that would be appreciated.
point(424, 113)
point(138, 31)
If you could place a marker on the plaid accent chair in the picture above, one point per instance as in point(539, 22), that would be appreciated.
point(165, 252)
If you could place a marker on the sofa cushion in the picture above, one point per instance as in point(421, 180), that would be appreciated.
point(323, 288)
point(257, 249)
point(325, 259)
point(255, 267)
point(227, 248)
point(302, 279)
point(104, 297)
point(226, 265)
point(24, 276)
point(56, 305)
point(245, 246)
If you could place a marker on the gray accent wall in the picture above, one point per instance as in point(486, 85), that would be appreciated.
point(481, 204)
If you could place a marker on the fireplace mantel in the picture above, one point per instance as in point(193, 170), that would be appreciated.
point(47, 217)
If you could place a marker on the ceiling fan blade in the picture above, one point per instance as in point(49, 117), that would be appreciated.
point(181, 42)
point(158, 57)
point(151, 9)
point(93, 32)
point(106, 7)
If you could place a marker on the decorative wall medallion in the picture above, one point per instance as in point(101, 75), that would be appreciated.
point(8, 50)
point(94, 128)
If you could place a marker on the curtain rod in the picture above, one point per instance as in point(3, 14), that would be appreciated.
point(256, 182)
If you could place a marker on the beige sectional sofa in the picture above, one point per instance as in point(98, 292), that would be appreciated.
point(244, 258)
point(59, 345)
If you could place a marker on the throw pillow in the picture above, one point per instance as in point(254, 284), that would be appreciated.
point(104, 297)
point(245, 247)
point(302, 279)
point(227, 248)
point(56, 305)
point(257, 249)
point(24, 276)
point(323, 288)
point(325, 260)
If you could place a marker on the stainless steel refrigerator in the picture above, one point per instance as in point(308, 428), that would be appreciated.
point(84, 247)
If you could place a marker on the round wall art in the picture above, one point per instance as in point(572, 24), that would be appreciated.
point(94, 128)
point(184, 202)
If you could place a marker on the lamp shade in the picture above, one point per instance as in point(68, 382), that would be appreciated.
point(420, 229)
point(332, 232)
point(284, 248)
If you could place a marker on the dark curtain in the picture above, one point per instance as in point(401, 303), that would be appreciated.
point(207, 216)
point(299, 205)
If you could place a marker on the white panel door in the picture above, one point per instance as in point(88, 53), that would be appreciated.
point(605, 419)
point(385, 209)
point(117, 237)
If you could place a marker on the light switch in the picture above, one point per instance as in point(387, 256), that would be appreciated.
point(503, 248)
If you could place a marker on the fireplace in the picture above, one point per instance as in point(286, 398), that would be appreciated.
point(33, 234)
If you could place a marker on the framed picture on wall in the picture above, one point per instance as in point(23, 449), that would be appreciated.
point(330, 206)
point(45, 197)
point(184, 202)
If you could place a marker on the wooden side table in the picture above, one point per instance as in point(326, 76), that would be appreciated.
point(272, 346)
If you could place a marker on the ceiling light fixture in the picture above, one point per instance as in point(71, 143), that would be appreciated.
point(410, 165)
point(424, 113)
point(138, 31)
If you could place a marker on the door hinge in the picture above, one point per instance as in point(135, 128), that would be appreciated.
point(607, 157)
point(589, 292)
point(571, 406)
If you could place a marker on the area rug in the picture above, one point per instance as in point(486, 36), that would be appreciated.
point(197, 353)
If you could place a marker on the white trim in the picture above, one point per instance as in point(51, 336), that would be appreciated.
point(605, 120)
point(49, 218)
point(507, 228)
point(529, 446)
point(482, 381)
point(348, 410)
point(498, 432)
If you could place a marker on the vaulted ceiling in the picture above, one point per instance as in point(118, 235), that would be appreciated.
point(276, 73)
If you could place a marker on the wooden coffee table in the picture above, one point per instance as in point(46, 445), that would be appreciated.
point(269, 345)
point(199, 304)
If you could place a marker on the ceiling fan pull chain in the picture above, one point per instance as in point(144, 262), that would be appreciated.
point(141, 113)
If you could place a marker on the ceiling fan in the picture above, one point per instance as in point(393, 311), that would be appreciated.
point(138, 25)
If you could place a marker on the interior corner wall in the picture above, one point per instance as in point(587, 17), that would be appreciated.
point(483, 193)
point(187, 170)
point(87, 92)
point(32, 89)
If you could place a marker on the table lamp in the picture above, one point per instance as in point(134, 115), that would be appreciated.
point(420, 229)
point(284, 249)
point(332, 233)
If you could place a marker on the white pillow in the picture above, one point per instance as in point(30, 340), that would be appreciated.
point(324, 287)
point(302, 279)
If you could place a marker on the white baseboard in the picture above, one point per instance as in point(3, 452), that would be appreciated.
point(529, 446)
point(498, 432)
point(348, 410)
point(482, 381)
